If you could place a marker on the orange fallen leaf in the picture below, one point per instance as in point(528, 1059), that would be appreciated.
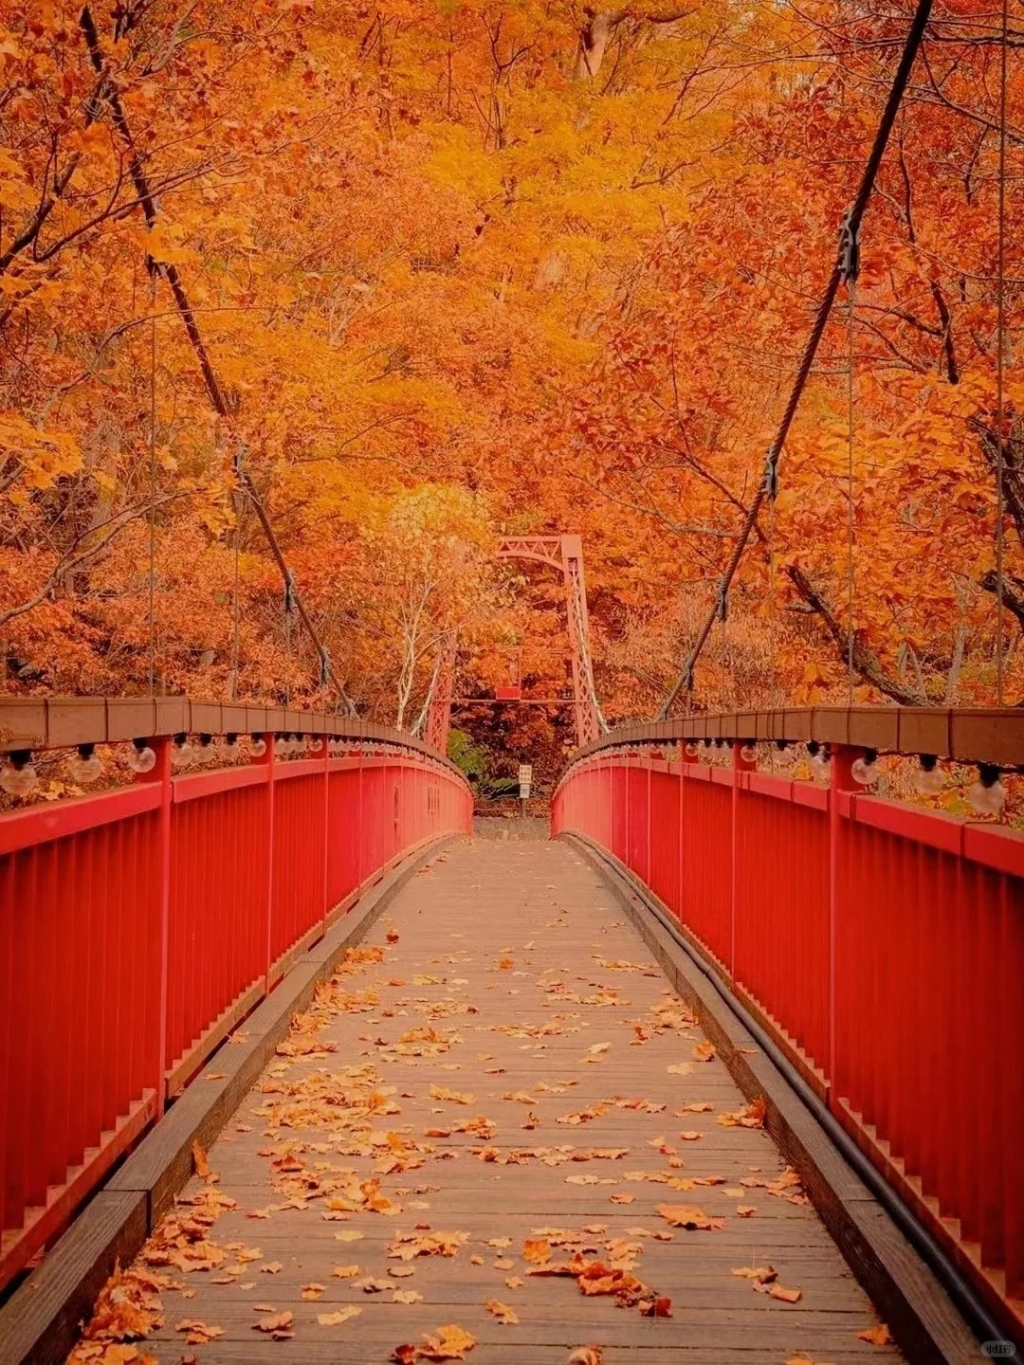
point(586, 1355)
point(197, 1333)
point(337, 1318)
point(704, 1052)
point(450, 1343)
point(537, 1250)
point(407, 1296)
point(505, 1315)
point(778, 1291)
point(345, 1272)
point(685, 1216)
point(275, 1324)
point(199, 1162)
point(752, 1116)
point(878, 1335)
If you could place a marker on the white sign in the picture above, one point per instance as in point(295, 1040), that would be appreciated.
point(525, 773)
point(524, 791)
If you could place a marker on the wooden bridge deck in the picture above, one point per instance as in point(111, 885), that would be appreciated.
point(510, 1076)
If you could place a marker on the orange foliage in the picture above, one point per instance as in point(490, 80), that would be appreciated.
point(471, 270)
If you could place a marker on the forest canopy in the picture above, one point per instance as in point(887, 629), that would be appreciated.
point(416, 275)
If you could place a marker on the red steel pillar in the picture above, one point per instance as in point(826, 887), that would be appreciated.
point(739, 765)
point(161, 773)
point(841, 781)
point(267, 761)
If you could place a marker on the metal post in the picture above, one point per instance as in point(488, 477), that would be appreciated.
point(739, 765)
point(267, 760)
point(161, 773)
point(841, 781)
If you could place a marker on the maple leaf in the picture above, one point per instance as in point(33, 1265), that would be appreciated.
point(441, 1092)
point(586, 1355)
point(753, 1116)
point(276, 1325)
point(199, 1162)
point(506, 1316)
point(336, 1318)
point(450, 1343)
point(537, 1250)
point(879, 1335)
point(704, 1052)
point(684, 1216)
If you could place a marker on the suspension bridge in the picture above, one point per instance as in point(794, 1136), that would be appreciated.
point(732, 1070)
point(300, 1065)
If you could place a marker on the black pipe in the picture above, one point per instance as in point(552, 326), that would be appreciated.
point(962, 1293)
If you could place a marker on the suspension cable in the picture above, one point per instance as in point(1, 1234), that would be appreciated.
point(1001, 365)
point(152, 480)
point(769, 484)
point(170, 273)
point(851, 295)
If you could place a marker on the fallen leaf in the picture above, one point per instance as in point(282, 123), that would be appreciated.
point(200, 1163)
point(704, 1052)
point(684, 1216)
point(349, 1235)
point(312, 1291)
point(197, 1333)
point(586, 1355)
point(345, 1272)
point(536, 1250)
point(337, 1318)
point(274, 1323)
point(450, 1343)
point(778, 1291)
point(505, 1315)
point(752, 1116)
point(407, 1296)
point(878, 1335)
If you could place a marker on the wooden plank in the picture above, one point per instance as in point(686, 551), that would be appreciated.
point(512, 963)
point(44, 1313)
point(916, 1306)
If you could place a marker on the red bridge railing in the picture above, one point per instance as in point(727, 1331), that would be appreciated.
point(880, 943)
point(138, 926)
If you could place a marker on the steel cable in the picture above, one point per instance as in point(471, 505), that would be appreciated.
point(852, 226)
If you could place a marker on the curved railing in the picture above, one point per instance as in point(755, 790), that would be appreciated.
point(139, 925)
point(881, 943)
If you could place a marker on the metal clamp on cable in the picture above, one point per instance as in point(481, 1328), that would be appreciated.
point(289, 592)
point(722, 601)
point(849, 248)
point(771, 474)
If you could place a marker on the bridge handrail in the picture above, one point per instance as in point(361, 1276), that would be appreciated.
point(964, 734)
point(38, 723)
point(141, 924)
point(880, 943)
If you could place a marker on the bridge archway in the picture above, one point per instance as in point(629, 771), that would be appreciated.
point(564, 554)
